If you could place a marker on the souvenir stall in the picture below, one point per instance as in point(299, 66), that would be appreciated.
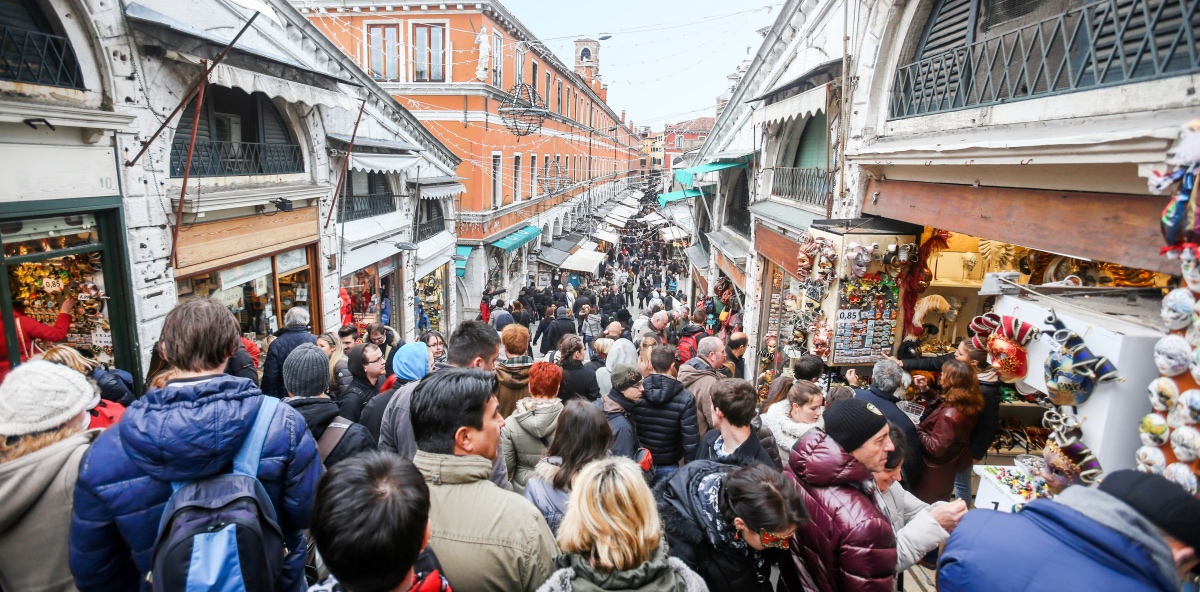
point(430, 302)
point(362, 287)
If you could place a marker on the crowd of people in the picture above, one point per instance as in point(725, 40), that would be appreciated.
point(631, 453)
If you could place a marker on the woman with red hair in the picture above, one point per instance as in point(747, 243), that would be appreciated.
point(530, 429)
point(945, 432)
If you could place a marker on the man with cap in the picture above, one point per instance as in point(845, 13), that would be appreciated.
point(304, 374)
point(1134, 531)
point(848, 545)
point(618, 405)
point(561, 325)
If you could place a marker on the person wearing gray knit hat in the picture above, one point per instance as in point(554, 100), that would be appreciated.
point(40, 396)
point(855, 425)
point(306, 371)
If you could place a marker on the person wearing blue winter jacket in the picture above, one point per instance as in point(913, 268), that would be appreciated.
point(190, 429)
point(1134, 532)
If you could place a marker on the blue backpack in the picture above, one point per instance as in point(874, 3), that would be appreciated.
point(221, 534)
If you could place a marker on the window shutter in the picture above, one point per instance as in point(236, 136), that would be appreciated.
point(948, 28)
point(274, 129)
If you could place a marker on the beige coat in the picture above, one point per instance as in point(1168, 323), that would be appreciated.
point(487, 539)
point(37, 494)
point(700, 380)
point(527, 434)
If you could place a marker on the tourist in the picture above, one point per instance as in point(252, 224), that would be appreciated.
point(549, 485)
point(437, 346)
point(577, 380)
point(666, 418)
point(543, 326)
point(699, 376)
point(777, 392)
point(367, 368)
point(945, 431)
point(618, 404)
point(29, 329)
point(512, 373)
point(295, 331)
point(645, 346)
point(734, 350)
point(611, 536)
point(304, 371)
point(559, 328)
point(732, 440)
point(348, 335)
point(529, 429)
point(589, 324)
point(791, 418)
point(621, 351)
point(412, 363)
point(339, 364)
point(886, 380)
point(600, 348)
point(488, 539)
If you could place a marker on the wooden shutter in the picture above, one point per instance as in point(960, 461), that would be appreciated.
point(948, 28)
point(273, 126)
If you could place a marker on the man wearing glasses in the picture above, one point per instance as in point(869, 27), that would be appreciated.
point(367, 366)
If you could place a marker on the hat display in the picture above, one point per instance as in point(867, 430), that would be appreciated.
point(1170, 508)
point(306, 371)
point(851, 422)
point(625, 376)
point(40, 395)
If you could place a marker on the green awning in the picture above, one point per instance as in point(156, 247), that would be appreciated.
point(666, 198)
point(460, 267)
point(688, 176)
point(517, 238)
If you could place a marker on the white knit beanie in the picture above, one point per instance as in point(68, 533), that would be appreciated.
point(40, 395)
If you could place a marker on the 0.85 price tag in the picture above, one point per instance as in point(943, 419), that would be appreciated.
point(848, 316)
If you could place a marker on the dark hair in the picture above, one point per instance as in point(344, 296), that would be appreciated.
point(374, 328)
point(369, 519)
point(662, 357)
point(589, 439)
point(428, 335)
point(837, 393)
point(348, 331)
point(447, 400)
point(739, 342)
point(568, 345)
point(802, 392)
point(472, 339)
point(763, 498)
point(735, 398)
point(808, 368)
point(896, 457)
point(979, 356)
point(158, 364)
point(199, 335)
point(777, 392)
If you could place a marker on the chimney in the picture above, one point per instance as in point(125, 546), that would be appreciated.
point(604, 93)
point(622, 116)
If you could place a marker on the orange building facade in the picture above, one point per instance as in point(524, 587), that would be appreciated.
point(453, 66)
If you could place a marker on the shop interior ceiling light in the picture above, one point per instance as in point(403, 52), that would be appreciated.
point(1000, 283)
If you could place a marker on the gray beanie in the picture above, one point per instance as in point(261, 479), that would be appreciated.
point(40, 395)
point(306, 371)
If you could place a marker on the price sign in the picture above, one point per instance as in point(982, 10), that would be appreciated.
point(52, 284)
point(101, 338)
point(848, 316)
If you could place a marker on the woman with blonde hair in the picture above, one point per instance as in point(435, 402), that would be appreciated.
point(611, 536)
point(115, 393)
point(339, 364)
point(644, 348)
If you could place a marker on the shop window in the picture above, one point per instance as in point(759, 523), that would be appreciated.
point(384, 47)
point(737, 206)
point(812, 150)
point(519, 66)
point(361, 288)
point(429, 219)
point(431, 303)
point(365, 195)
point(238, 134)
point(558, 98)
point(533, 78)
point(546, 97)
point(32, 50)
point(429, 53)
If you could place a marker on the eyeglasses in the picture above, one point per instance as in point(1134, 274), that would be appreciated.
point(773, 541)
point(375, 361)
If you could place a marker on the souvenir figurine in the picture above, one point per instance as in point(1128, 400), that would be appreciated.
point(1150, 459)
point(1172, 355)
point(1177, 309)
point(1182, 474)
point(1153, 430)
point(1163, 393)
point(1185, 442)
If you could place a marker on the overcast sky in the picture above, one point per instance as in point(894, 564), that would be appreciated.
point(667, 59)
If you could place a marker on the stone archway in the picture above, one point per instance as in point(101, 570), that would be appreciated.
point(557, 228)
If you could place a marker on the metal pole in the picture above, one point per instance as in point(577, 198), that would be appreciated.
point(192, 89)
point(187, 170)
point(346, 163)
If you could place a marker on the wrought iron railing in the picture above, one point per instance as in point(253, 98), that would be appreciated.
point(427, 230)
point(809, 186)
point(226, 159)
point(38, 58)
point(1104, 43)
point(358, 207)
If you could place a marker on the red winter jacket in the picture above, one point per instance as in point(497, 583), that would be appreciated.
point(848, 545)
point(945, 451)
point(28, 330)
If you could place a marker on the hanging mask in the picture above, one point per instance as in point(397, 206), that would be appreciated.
point(1006, 348)
point(1172, 355)
point(1073, 371)
point(1068, 460)
point(1182, 474)
point(1150, 459)
point(1163, 393)
point(1188, 406)
point(1177, 309)
point(1185, 442)
point(1190, 267)
point(983, 327)
point(1153, 430)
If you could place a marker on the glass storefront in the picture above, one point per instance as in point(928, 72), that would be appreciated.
point(431, 305)
point(782, 332)
point(363, 289)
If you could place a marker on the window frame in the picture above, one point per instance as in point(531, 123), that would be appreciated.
point(497, 74)
point(415, 26)
point(517, 158)
point(497, 179)
point(400, 65)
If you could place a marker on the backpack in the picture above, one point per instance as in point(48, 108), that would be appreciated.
point(221, 532)
point(687, 348)
point(105, 414)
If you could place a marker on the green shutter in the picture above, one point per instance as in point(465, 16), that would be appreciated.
point(813, 149)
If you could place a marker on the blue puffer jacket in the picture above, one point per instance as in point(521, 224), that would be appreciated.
point(286, 340)
point(188, 430)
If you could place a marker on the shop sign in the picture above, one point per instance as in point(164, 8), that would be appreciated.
point(290, 260)
point(231, 298)
point(236, 276)
point(102, 338)
point(847, 316)
point(260, 286)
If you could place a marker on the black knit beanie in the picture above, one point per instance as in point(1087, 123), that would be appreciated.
point(1162, 502)
point(851, 422)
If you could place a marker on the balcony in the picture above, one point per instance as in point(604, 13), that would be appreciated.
point(427, 230)
point(1101, 44)
point(226, 159)
point(38, 58)
point(358, 207)
point(809, 187)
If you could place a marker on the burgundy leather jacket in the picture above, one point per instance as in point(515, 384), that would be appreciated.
point(848, 545)
point(946, 450)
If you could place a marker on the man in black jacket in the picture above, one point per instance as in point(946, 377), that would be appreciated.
point(666, 416)
point(305, 373)
point(294, 333)
point(366, 366)
point(732, 440)
point(562, 325)
point(886, 377)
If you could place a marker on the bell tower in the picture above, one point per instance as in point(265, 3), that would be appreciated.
point(587, 59)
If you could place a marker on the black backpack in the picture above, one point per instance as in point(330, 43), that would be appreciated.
point(221, 532)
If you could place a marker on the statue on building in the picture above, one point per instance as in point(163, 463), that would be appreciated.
point(485, 54)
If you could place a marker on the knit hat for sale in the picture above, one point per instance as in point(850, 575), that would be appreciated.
point(306, 371)
point(851, 422)
point(38, 396)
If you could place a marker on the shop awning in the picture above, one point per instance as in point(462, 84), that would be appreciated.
point(382, 163)
point(631, 202)
point(623, 212)
point(441, 191)
point(552, 257)
point(681, 214)
point(618, 222)
point(588, 246)
point(606, 236)
point(697, 256)
point(460, 267)
point(433, 253)
point(584, 261)
point(666, 198)
point(805, 104)
point(513, 240)
point(672, 233)
point(362, 142)
point(651, 217)
point(688, 176)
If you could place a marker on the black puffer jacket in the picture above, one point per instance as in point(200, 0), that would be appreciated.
point(286, 340)
point(684, 510)
point(558, 328)
point(318, 413)
point(241, 364)
point(578, 382)
point(666, 421)
point(360, 391)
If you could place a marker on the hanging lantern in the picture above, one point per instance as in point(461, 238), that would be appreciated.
point(523, 111)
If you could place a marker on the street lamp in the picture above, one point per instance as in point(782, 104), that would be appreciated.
point(405, 246)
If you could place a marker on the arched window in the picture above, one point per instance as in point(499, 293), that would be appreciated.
point(812, 150)
point(32, 50)
point(238, 134)
point(586, 55)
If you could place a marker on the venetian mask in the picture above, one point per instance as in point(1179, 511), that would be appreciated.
point(1185, 442)
point(1006, 349)
point(1068, 460)
point(1172, 355)
point(1163, 393)
point(1066, 384)
point(1153, 430)
point(1188, 406)
point(1182, 474)
point(1150, 459)
point(1177, 309)
point(858, 259)
point(1191, 268)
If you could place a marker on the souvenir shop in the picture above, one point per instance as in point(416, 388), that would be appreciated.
point(432, 305)
point(727, 301)
point(58, 250)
